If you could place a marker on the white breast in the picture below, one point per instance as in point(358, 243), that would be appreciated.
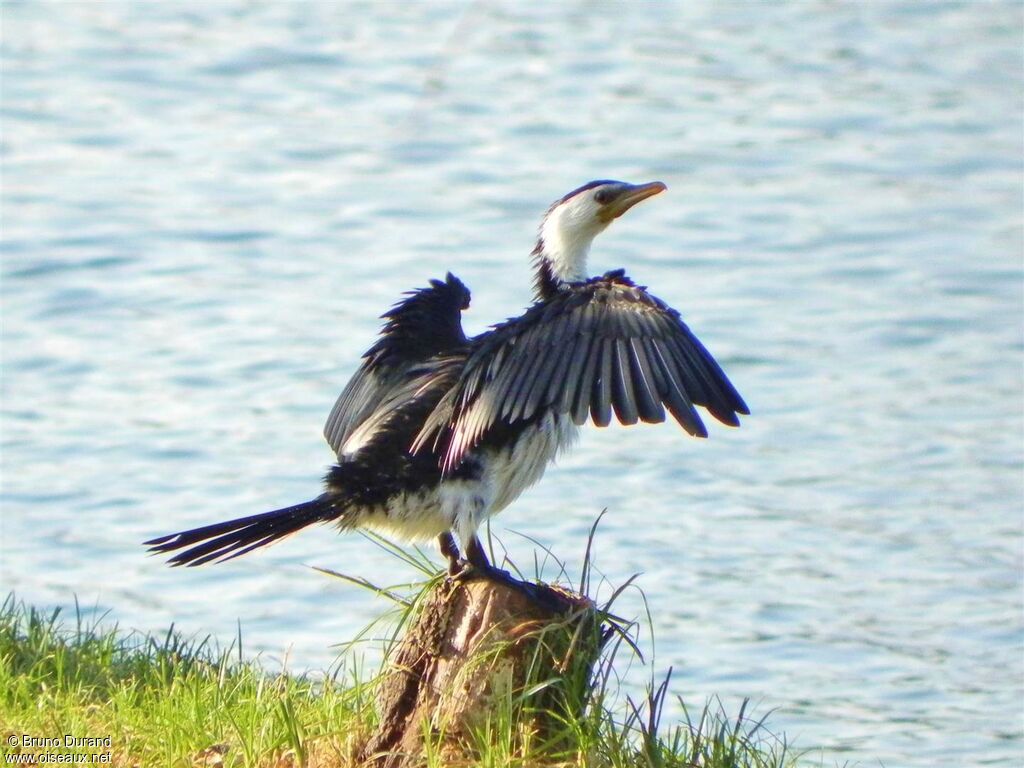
point(507, 472)
point(512, 470)
point(463, 505)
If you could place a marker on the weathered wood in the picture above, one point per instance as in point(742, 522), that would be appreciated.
point(469, 654)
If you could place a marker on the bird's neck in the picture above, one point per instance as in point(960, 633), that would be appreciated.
point(559, 260)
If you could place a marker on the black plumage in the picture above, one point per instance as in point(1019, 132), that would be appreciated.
point(402, 378)
point(436, 432)
point(592, 348)
point(425, 324)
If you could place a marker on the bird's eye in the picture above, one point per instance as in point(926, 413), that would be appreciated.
point(602, 196)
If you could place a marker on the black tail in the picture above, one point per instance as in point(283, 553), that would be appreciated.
point(223, 541)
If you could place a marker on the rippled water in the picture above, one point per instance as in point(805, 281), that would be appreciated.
point(205, 207)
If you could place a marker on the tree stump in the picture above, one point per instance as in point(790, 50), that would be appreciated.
point(483, 651)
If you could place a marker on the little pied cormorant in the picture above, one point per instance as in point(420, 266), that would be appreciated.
point(437, 432)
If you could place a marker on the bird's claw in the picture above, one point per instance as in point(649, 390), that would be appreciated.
point(467, 571)
point(475, 565)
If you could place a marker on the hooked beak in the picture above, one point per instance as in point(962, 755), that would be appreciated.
point(628, 197)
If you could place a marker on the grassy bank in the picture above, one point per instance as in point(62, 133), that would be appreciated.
point(168, 701)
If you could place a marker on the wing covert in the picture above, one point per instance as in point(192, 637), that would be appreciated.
point(427, 322)
point(597, 349)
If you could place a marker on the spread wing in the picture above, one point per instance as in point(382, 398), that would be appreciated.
point(426, 323)
point(363, 405)
point(417, 391)
point(596, 347)
point(355, 404)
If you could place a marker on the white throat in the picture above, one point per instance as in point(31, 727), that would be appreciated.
point(566, 236)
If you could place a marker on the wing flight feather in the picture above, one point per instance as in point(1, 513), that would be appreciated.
point(426, 323)
point(600, 347)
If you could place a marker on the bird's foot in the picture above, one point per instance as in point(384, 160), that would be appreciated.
point(477, 566)
point(468, 570)
point(534, 592)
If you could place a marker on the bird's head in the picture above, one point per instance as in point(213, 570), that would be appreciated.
point(572, 223)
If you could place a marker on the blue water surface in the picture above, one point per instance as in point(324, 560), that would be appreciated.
point(205, 207)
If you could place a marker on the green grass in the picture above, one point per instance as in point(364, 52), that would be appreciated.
point(165, 700)
point(169, 701)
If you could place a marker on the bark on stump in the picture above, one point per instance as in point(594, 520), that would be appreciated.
point(471, 652)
